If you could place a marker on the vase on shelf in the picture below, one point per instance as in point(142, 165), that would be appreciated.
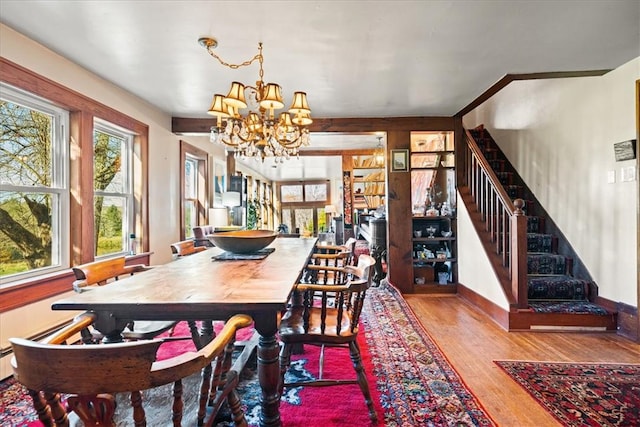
point(445, 210)
point(432, 211)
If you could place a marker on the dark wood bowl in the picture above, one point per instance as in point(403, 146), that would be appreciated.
point(243, 241)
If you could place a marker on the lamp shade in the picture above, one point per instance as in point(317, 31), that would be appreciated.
point(285, 122)
point(302, 119)
point(299, 104)
point(272, 97)
point(231, 199)
point(235, 97)
point(254, 124)
point(217, 107)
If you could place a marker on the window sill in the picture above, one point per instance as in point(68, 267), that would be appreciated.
point(38, 288)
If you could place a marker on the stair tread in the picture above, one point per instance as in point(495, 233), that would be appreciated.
point(545, 255)
point(564, 277)
point(572, 307)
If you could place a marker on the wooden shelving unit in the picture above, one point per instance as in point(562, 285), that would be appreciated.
point(432, 161)
point(368, 184)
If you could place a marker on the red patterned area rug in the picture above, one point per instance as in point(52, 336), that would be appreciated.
point(411, 381)
point(417, 384)
point(582, 394)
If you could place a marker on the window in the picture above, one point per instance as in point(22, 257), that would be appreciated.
point(309, 192)
point(303, 206)
point(113, 189)
point(315, 192)
point(34, 193)
point(291, 193)
point(193, 188)
point(190, 195)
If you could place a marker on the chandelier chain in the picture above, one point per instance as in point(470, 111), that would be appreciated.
point(258, 57)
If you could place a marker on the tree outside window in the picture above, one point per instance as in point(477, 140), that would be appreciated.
point(113, 197)
point(34, 185)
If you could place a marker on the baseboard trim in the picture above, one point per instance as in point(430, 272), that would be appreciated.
point(495, 312)
point(626, 320)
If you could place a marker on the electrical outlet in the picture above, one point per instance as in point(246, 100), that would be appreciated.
point(611, 177)
point(628, 174)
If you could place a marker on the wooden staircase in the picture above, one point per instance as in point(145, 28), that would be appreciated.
point(537, 261)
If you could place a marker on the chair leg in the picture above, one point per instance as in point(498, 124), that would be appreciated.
point(236, 408)
point(321, 367)
point(178, 404)
point(204, 393)
point(285, 361)
point(354, 351)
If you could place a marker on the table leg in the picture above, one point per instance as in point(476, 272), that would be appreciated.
point(268, 368)
point(110, 327)
point(207, 333)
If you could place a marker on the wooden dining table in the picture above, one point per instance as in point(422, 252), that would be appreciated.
point(196, 288)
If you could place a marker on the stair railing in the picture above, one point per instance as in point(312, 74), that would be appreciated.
point(503, 220)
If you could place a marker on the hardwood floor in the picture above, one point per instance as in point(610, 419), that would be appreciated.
point(472, 341)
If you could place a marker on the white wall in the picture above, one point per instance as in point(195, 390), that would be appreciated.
point(474, 269)
point(559, 134)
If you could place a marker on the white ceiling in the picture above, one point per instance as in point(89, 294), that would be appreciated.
point(353, 58)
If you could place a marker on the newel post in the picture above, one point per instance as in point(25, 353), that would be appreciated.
point(519, 254)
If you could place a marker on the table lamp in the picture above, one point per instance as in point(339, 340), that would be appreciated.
point(231, 199)
point(219, 217)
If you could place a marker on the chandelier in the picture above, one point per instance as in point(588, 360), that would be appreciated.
point(378, 153)
point(258, 133)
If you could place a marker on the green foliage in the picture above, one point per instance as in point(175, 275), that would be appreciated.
point(112, 222)
point(109, 245)
point(253, 214)
point(14, 267)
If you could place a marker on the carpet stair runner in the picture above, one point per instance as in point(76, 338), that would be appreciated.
point(552, 288)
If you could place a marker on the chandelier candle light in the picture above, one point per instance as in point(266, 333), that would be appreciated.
point(257, 133)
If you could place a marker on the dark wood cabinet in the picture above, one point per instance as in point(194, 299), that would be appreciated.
point(434, 253)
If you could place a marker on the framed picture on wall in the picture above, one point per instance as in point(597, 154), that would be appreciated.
point(219, 184)
point(625, 150)
point(400, 160)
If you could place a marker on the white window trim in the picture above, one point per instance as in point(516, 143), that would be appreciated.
point(127, 168)
point(60, 224)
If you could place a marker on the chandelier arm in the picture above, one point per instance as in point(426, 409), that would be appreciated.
point(290, 143)
point(230, 143)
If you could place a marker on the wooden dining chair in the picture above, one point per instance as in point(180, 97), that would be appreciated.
point(103, 384)
point(103, 272)
point(186, 247)
point(328, 316)
point(327, 262)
